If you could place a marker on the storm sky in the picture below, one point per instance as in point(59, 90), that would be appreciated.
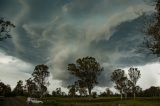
point(57, 32)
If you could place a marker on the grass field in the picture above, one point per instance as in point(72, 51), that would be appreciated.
point(101, 101)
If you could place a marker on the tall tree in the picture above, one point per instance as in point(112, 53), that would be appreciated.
point(19, 89)
point(86, 69)
point(5, 27)
point(118, 76)
point(152, 31)
point(134, 75)
point(2, 89)
point(40, 75)
point(5, 90)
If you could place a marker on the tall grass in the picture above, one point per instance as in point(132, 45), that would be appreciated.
point(110, 101)
point(100, 101)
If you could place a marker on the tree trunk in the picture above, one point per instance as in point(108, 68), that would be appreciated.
point(121, 95)
point(125, 95)
point(134, 95)
point(89, 91)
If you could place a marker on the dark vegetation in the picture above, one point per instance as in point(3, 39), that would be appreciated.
point(87, 70)
point(5, 27)
point(152, 31)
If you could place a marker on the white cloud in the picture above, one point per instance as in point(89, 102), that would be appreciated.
point(55, 84)
point(150, 75)
point(13, 69)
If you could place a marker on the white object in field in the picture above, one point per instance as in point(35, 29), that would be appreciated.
point(33, 100)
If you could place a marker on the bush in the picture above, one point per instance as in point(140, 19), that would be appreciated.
point(94, 94)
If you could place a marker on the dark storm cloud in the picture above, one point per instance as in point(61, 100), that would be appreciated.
point(123, 49)
point(127, 42)
point(9, 8)
point(59, 32)
point(43, 11)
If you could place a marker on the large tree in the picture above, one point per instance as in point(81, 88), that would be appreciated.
point(152, 31)
point(40, 75)
point(5, 90)
point(5, 27)
point(118, 76)
point(134, 75)
point(19, 89)
point(87, 70)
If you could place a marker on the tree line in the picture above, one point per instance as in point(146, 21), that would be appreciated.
point(87, 70)
point(36, 86)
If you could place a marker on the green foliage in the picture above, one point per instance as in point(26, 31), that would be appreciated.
point(94, 94)
point(87, 70)
point(152, 29)
point(19, 89)
point(40, 74)
point(124, 84)
point(5, 27)
point(5, 90)
point(118, 76)
point(31, 87)
point(72, 90)
point(151, 92)
point(134, 75)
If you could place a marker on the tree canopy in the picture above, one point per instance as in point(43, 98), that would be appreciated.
point(152, 31)
point(19, 89)
point(118, 76)
point(40, 74)
point(5, 27)
point(87, 70)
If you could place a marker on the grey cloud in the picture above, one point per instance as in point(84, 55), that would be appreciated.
point(122, 49)
point(58, 33)
point(125, 43)
point(88, 8)
point(9, 8)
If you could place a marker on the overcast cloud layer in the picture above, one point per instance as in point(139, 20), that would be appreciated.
point(57, 32)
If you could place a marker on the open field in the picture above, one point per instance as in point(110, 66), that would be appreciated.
point(101, 101)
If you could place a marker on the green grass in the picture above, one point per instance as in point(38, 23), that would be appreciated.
point(100, 101)
point(21, 98)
